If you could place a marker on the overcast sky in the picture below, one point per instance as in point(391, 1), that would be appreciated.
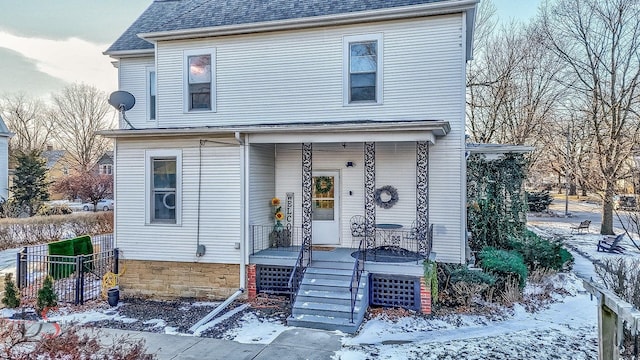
point(46, 44)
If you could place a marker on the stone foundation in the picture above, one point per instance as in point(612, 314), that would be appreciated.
point(170, 280)
point(425, 297)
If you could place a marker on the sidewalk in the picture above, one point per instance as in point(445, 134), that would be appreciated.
point(296, 343)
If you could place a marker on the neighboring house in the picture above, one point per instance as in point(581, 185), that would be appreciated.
point(5, 135)
point(339, 109)
point(57, 164)
point(104, 165)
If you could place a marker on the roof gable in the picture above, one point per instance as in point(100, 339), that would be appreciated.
point(173, 15)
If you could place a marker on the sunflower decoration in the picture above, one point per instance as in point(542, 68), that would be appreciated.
point(277, 214)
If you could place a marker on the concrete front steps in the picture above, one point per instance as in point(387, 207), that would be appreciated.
point(324, 298)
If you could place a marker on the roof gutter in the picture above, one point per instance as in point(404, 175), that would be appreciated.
point(130, 53)
point(438, 128)
point(412, 11)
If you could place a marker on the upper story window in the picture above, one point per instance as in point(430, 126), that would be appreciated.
point(363, 69)
point(163, 192)
point(199, 80)
point(106, 169)
point(151, 91)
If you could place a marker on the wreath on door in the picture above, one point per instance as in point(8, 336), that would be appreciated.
point(323, 184)
point(386, 196)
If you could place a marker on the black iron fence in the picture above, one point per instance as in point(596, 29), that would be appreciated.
point(76, 278)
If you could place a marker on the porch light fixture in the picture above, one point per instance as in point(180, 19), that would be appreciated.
point(350, 164)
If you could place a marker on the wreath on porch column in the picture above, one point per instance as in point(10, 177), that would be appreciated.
point(386, 196)
point(323, 184)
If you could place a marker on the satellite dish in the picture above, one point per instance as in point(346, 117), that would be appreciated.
point(123, 101)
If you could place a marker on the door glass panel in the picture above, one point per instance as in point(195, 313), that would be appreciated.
point(323, 202)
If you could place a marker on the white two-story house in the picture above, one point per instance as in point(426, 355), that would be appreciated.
point(351, 113)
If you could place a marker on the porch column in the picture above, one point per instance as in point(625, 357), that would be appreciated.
point(306, 202)
point(369, 191)
point(422, 185)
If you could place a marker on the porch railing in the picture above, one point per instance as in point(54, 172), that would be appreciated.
point(358, 269)
point(413, 244)
point(296, 275)
point(76, 278)
point(264, 237)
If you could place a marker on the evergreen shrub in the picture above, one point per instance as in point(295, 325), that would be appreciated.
point(539, 253)
point(504, 265)
point(11, 297)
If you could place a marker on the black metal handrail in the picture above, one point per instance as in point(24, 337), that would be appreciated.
point(296, 276)
point(358, 269)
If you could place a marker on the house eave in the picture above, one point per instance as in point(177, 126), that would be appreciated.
point(436, 127)
point(404, 12)
point(129, 53)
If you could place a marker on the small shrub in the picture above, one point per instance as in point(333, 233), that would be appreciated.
point(11, 298)
point(471, 276)
point(511, 292)
point(539, 201)
point(46, 295)
point(69, 345)
point(621, 276)
point(541, 253)
point(504, 265)
point(465, 292)
point(48, 210)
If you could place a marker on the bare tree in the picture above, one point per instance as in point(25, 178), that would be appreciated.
point(26, 117)
point(599, 42)
point(512, 94)
point(80, 111)
point(89, 186)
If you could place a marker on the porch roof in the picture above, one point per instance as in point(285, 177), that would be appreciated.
point(341, 131)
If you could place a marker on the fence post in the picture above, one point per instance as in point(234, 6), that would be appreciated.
point(116, 260)
point(21, 268)
point(79, 298)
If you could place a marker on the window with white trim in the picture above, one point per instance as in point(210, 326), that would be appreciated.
point(199, 80)
point(151, 93)
point(363, 69)
point(106, 169)
point(163, 190)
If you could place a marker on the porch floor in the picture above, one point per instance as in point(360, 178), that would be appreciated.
point(287, 256)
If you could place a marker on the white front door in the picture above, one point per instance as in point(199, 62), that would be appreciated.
point(325, 200)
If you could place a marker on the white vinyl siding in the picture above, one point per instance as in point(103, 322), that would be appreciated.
point(297, 76)
point(220, 202)
point(262, 184)
point(4, 167)
point(133, 77)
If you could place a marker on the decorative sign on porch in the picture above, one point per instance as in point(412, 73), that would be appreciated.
point(289, 210)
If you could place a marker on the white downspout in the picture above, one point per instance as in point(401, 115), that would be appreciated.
point(244, 207)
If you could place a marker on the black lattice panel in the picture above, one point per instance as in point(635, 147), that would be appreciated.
point(273, 279)
point(395, 291)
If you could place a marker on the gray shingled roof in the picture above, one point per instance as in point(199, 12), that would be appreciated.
point(52, 157)
point(169, 15)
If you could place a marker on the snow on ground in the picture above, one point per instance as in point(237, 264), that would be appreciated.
point(8, 260)
point(563, 329)
point(566, 329)
point(253, 330)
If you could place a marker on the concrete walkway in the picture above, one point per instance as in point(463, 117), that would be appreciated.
point(296, 343)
